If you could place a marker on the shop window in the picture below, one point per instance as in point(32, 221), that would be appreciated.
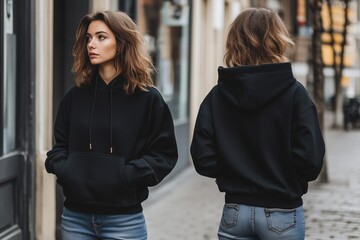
point(165, 25)
point(8, 99)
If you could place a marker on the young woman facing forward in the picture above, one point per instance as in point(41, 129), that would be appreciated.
point(114, 133)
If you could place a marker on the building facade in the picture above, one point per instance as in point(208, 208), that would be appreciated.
point(17, 120)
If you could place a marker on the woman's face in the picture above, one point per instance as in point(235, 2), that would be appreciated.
point(101, 43)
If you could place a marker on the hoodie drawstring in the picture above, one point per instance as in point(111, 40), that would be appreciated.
point(111, 117)
point(92, 114)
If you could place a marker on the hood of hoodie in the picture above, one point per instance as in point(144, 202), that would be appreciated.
point(117, 82)
point(252, 87)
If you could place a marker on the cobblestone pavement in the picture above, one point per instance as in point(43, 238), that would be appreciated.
point(189, 206)
point(333, 209)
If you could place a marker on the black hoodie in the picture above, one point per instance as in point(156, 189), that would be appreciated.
point(110, 147)
point(257, 133)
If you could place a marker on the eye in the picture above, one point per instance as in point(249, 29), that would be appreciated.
point(101, 37)
point(88, 38)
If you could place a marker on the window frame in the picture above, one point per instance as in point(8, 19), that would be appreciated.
point(1, 77)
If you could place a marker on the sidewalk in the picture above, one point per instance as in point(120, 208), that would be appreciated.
point(332, 210)
point(189, 206)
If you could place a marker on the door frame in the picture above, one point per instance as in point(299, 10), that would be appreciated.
point(17, 174)
point(24, 28)
point(1, 75)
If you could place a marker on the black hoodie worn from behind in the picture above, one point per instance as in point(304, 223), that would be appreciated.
point(258, 134)
point(110, 147)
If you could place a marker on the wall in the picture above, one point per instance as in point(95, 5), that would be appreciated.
point(45, 183)
point(210, 21)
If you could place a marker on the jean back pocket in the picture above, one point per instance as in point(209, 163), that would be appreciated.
point(280, 220)
point(230, 215)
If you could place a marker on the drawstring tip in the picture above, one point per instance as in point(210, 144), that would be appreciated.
point(110, 149)
point(90, 146)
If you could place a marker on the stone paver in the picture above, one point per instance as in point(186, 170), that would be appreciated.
point(332, 210)
point(189, 206)
point(188, 209)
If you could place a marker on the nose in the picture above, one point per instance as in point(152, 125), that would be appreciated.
point(91, 44)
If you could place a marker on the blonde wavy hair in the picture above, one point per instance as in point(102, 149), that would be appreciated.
point(257, 36)
point(131, 60)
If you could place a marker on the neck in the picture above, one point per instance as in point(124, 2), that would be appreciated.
point(107, 72)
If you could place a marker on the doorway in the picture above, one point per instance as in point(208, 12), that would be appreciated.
point(16, 120)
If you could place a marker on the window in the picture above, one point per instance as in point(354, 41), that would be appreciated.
point(8, 95)
point(165, 25)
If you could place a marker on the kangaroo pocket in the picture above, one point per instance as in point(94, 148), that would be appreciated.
point(96, 178)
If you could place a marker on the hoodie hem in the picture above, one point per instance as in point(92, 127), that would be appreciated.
point(103, 209)
point(264, 201)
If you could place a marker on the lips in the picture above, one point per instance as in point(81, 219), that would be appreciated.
point(93, 55)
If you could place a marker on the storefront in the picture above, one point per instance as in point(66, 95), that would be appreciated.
point(166, 27)
point(16, 120)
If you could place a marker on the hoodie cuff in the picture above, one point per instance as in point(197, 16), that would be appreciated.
point(130, 175)
point(140, 173)
point(57, 166)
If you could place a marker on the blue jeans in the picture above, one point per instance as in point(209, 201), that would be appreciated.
point(250, 223)
point(82, 226)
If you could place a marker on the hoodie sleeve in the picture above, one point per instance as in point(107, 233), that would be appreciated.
point(161, 151)
point(308, 148)
point(203, 147)
point(57, 156)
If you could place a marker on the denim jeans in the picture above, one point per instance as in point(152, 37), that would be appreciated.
point(244, 222)
point(82, 226)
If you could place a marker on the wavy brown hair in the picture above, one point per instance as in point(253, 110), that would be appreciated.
point(131, 60)
point(257, 36)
